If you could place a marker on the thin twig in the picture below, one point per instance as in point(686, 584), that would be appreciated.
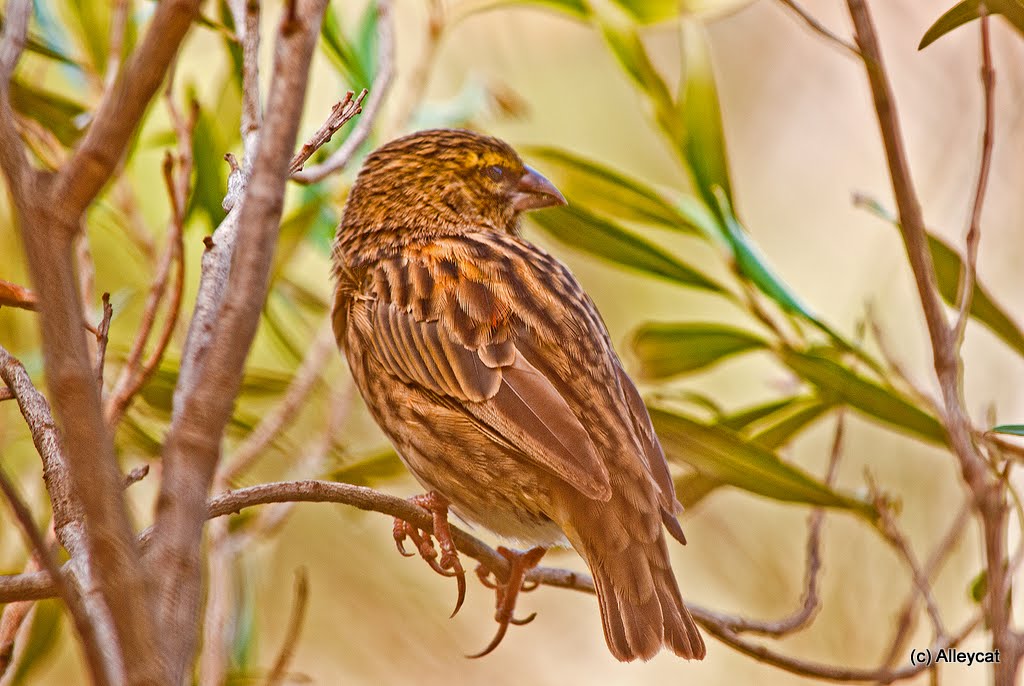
point(302, 384)
point(87, 633)
point(805, 613)
point(970, 265)
point(891, 532)
point(102, 338)
point(343, 110)
point(291, 635)
point(905, 622)
point(246, 15)
point(340, 158)
point(820, 28)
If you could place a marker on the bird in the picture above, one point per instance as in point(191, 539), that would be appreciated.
point(489, 368)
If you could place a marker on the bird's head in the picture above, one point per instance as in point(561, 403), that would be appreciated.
point(443, 181)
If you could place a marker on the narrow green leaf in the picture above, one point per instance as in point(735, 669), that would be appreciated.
point(650, 11)
point(372, 470)
point(294, 229)
point(741, 419)
point(667, 349)
point(42, 639)
point(720, 453)
point(629, 50)
point(979, 587)
point(694, 487)
point(90, 22)
point(603, 238)
point(607, 191)
point(704, 144)
point(56, 113)
point(835, 381)
point(39, 47)
point(788, 425)
point(347, 58)
point(969, 10)
point(948, 267)
point(754, 266)
point(1009, 429)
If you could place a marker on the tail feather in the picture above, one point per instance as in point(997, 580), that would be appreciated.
point(641, 607)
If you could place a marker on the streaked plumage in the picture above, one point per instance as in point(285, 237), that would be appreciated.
point(490, 369)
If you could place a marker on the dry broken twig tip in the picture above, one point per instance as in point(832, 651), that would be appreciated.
point(341, 112)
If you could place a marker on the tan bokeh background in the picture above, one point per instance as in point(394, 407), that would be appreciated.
point(801, 138)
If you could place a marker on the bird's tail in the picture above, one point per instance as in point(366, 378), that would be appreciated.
point(641, 608)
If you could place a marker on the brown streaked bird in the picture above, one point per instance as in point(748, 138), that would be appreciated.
point(491, 371)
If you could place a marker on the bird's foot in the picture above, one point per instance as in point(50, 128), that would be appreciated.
point(448, 564)
point(506, 593)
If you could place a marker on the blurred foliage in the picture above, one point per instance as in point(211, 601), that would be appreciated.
point(612, 215)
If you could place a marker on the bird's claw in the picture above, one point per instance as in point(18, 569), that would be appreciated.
point(507, 593)
point(448, 565)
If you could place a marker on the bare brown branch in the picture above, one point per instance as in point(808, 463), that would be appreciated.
point(193, 443)
point(988, 492)
point(340, 158)
point(123, 105)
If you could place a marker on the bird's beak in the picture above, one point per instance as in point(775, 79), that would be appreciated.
point(534, 191)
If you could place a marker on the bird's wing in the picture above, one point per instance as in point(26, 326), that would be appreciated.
point(446, 324)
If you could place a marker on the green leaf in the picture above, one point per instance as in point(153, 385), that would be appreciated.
point(609, 192)
point(42, 639)
point(979, 587)
point(739, 420)
point(835, 381)
point(787, 425)
point(754, 266)
point(720, 453)
point(56, 113)
point(629, 50)
point(603, 238)
point(39, 47)
point(294, 229)
point(577, 9)
point(668, 349)
point(1009, 429)
point(90, 21)
point(948, 266)
point(704, 144)
point(356, 63)
point(650, 11)
point(969, 10)
point(372, 470)
point(692, 488)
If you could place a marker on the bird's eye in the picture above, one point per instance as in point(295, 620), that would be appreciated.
point(495, 172)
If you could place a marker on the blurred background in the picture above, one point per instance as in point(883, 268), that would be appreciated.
point(801, 140)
